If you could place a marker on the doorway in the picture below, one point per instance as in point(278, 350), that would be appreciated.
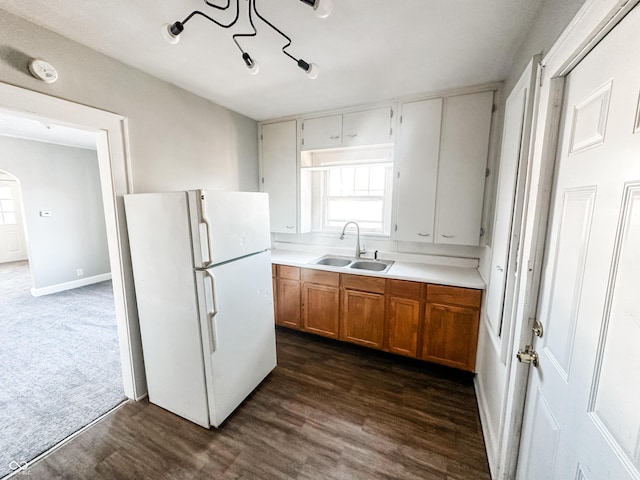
point(61, 363)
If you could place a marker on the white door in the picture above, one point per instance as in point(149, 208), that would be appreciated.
point(13, 246)
point(237, 224)
point(238, 330)
point(417, 170)
point(504, 221)
point(582, 414)
point(461, 172)
point(280, 174)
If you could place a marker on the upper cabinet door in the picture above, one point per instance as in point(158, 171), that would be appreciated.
point(280, 173)
point(322, 132)
point(463, 163)
point(369, 127)
point(417, 152)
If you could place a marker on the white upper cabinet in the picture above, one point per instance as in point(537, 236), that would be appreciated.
point(280, 173)
point(417, 151)
point(322, 132)
point(367, 127)
point(461, 174)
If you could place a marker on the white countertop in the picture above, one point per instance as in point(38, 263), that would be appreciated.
point(400, 270)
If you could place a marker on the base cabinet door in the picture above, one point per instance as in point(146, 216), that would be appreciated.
point(404, 323)
point(321, 309)
point(451, 335)
point(363, 318)
point(288, 303)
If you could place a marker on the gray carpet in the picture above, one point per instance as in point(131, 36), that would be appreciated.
point(59, 363)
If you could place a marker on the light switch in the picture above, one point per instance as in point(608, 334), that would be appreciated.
point(45, 213)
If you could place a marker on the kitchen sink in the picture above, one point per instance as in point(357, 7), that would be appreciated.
point(333, 261)
point(353, 263)
point(375, 266)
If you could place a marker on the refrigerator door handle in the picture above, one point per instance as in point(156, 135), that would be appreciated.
point(211, 314)
point(207, 230)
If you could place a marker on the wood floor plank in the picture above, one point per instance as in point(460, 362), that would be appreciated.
point(330, 411)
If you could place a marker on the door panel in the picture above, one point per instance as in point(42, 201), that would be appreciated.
point(589, 303)
point(242, 348)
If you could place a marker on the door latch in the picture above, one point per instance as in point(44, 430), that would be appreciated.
point(527, 355)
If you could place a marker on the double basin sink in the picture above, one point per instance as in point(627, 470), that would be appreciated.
point(352, 263)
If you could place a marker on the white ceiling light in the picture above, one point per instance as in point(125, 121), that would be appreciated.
point(171, 32)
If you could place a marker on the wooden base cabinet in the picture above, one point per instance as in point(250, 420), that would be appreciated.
point(452, 319)
point(321, 302)
point(287, 296)
point(404, 307)
point(431, 322)
point(363, 303)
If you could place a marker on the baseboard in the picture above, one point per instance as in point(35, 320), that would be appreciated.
point(485, 422)
point(61, 287)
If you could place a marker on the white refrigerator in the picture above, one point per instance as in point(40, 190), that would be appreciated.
point(202, 274)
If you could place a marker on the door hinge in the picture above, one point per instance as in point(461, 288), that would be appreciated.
point(263, 180)
point(391, 113)
point(494, 108)
point(400, 119)
point(302, 126)
point(541, 82)
point(481, 231)
point(391, 132)
point(487, 172)
point(398, 175)
point(261, 137)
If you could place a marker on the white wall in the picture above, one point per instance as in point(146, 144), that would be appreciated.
point(178, 140)
point(65, 181)
point(491, 381)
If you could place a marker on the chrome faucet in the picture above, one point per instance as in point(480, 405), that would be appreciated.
point(358, 249)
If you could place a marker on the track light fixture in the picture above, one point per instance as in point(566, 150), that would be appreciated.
point(171, 31)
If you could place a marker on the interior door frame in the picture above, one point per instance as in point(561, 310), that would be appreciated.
point(593, 21)
point(116, 180)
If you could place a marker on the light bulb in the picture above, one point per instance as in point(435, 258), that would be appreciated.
point(313, 71)
point(251, 64)
point(323, 8)
point(168, 35)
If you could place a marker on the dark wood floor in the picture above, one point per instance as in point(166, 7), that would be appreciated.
point(329, 411)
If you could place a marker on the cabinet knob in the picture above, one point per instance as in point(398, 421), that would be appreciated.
point(448, 236)
point(334, 137)
point(290, 226)
point(351, 135)
point(424, 234)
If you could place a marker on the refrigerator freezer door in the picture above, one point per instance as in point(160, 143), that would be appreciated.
point(239, 339)
point(228, 225)
point(160, 239)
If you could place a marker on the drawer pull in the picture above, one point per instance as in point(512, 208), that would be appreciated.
point(424, 234)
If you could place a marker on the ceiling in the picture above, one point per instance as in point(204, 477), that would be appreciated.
point(34, 128)
point(367, 50)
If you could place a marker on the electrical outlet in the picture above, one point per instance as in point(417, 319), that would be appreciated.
point(79, 272)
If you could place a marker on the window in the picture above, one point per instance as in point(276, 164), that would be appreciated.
point(348, 185)
point(7, 207)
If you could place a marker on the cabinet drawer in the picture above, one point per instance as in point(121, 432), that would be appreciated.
point(321, 277)
point(290, 273)
point(404, 288)
point(365, 284)
point(467, 297)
